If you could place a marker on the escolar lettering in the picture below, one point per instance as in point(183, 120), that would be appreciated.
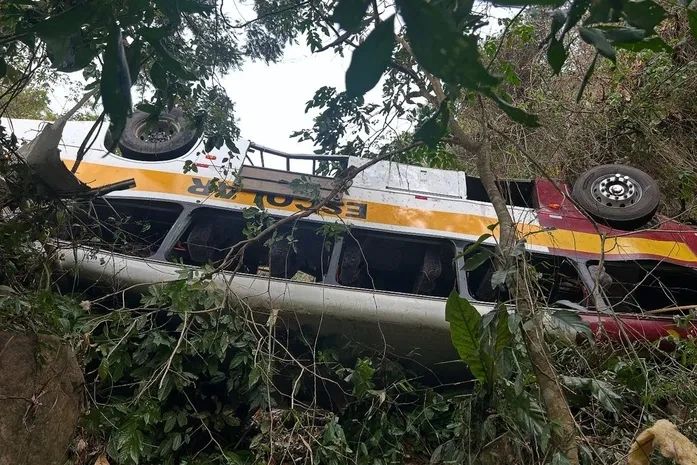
point(349, 209)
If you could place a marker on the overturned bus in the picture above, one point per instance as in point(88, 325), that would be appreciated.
point(376, 264)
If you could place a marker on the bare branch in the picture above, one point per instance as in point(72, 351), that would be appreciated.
point(237, 251)
point(339, 40)
point(271, 13)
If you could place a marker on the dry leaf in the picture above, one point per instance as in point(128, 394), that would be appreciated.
point(665, 437)
point(102, 460)
point(81, 445)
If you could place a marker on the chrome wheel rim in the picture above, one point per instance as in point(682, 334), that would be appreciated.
point(155, 132)
point(616, 190)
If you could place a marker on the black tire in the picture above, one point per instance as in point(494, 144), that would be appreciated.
point(617, 195)
point(171, 137)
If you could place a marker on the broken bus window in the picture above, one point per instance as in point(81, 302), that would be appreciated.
point(397, 263)
point(130, 226)
point(299, 251)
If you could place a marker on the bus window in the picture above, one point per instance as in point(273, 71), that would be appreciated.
point(391, 262)
point(130, 226)
point(516, 193)
point(645, 285)
point(556, 279)
point(299, 251)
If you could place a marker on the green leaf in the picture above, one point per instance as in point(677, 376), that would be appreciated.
point(476, 260)
point(475, 245)
point(158, 76)
point(576, 11)
point(169, 62)
point(170, 423)
point(600, 390)
point(349, 14)
point(605, 396)
point(103, 369)
point(558, 20)
point(556, 55)
point(465, 333)
point(171, 9)
point(632, 38)
point(177, 441)
point(597, 39)
point(692, 19)
point(69, 53)
point(587, 78)
point(644, 14)
point(621, 34)
point(545, 3)
point(503, 333)
point(133, 58)
point(498, 278)
point(435, 127)
point(559, 459)
point(370, 59)
point(254, 376)
point(440, 47)
point(600, 12)
point(569, 322)
point(516, 114)
point(362, 376)
point(115, 87)
point(149, 108)
point(67, 21)
point(654, 43)
point(195, 6)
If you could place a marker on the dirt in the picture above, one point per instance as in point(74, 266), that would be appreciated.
point(41, 395)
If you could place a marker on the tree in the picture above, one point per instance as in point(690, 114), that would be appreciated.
point(437, 58)
point(31, 103)
point(433, 68)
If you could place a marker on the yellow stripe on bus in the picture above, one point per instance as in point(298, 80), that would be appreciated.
point(459, 223)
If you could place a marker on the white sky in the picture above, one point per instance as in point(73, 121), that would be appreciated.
point(270, 99)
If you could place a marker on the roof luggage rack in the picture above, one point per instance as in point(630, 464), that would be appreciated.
point(261, 173)
point(322, 165)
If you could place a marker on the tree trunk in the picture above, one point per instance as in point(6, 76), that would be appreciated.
point(556, 406)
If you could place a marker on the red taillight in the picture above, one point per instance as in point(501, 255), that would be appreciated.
point(421, 197)
point(202, 165)
point(210, 156)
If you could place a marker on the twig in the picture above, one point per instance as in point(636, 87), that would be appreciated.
point(176, 349)
point(342, 38)
point(271, 13)
point(237, 251)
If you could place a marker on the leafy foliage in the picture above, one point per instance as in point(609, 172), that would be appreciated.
point(186, 376)
point(174, 376)
point(112, 42)
point(371, 59)
point(435, 127)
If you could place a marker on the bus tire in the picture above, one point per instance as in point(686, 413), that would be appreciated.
point(618, 195)
point(172, 136)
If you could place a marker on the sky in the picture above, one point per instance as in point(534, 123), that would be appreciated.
point(270, 99)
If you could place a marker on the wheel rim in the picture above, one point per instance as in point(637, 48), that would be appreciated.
point(155, 132)
point(616, 190)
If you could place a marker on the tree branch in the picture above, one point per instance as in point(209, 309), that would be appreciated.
point(236, 252)
point(342, 38)
point(271, 13)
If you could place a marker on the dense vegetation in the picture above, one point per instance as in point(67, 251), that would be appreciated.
point(183, 374)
